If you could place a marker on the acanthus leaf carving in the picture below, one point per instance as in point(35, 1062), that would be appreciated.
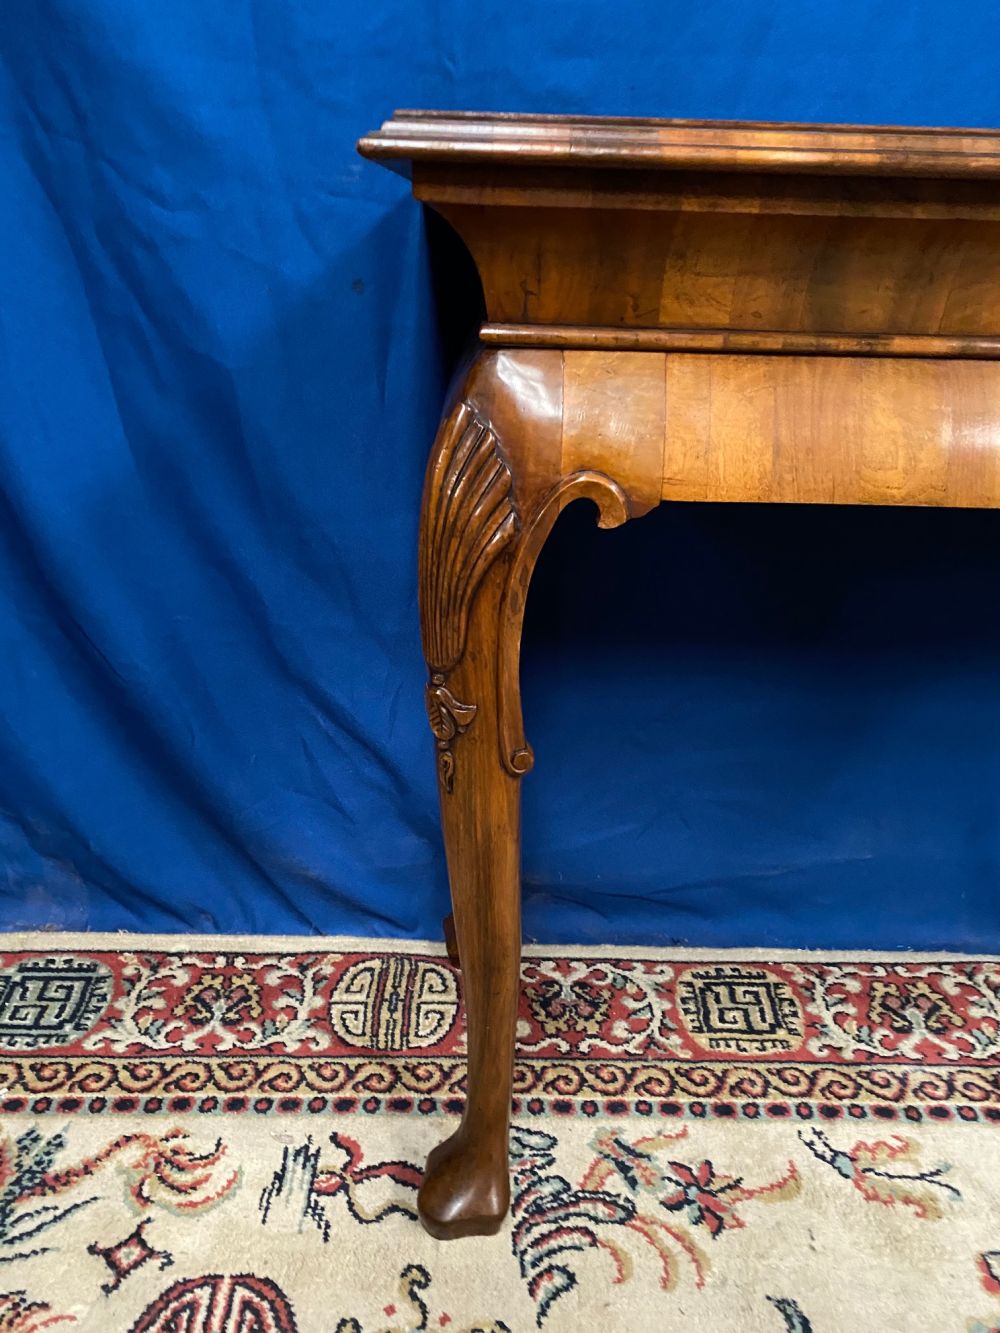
point(470, 519)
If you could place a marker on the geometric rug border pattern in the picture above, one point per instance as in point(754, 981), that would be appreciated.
point(227, 1135)
point(370, 1027)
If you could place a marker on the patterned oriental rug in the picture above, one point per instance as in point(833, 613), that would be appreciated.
point(225, 1136)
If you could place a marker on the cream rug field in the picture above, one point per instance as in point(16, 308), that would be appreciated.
point(217, 1135)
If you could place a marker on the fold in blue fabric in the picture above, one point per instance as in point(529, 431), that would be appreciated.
point(224, 344)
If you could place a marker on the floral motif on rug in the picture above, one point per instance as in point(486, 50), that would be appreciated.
point(217, 1138)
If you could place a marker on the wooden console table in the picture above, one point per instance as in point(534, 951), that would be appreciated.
point(677, 310)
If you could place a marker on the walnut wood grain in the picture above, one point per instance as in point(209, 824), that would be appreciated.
point(677, 264)
point(692, 145)
point(689, 225)
point(600, 338)
point(677, 310)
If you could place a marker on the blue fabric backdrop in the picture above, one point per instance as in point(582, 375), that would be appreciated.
point(224, 341)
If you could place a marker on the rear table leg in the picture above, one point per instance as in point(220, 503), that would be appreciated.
point(451, 940)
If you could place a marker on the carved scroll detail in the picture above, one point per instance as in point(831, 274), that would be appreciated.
point(448, 718)
point(613, 510)
point(470, 519)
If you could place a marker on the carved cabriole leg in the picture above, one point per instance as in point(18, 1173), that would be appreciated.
point(493, 491)
point(469, 525)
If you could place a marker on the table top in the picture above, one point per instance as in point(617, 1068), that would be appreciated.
point(683, 145)
point(729, 236)
point(728, 311)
